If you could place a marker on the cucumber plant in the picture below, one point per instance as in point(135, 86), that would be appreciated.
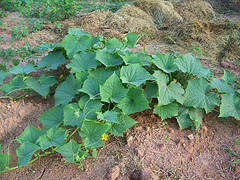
point(105, 82)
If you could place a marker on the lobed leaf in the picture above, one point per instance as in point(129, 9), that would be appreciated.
point(198, 95)
point(110, 116)
point(52, 117)
point(134, 101)
point(42, 84)
point(165, 62)
point(221, 86)
point(22, 69)
point(134, 74)
point(131, 59)
point(228, 78)
point(166, 111)
point(2, 76)
point(108, 59)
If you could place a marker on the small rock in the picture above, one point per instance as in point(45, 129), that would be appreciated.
point(130, 141)
point(190, 137)
point(147, 174)
point(113, 173)
point(224, 64)
point(139, 128)
point(205, 129)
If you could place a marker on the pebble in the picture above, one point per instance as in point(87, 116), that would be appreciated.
point(224, 64)
point(113, 173)
point(147, 174)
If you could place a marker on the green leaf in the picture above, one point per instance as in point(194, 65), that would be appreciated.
point(66, 91)
point(133, 102)
point(69, 150)
point(183, 118)
point(168, 93)
point(96, 78)
point(134, 74)
point(2, 76)
point(150, 91)
point(144, 58)
point(83, 61)
point(42, 84)
point(124, 122)
point(49, 46)
point(165, 62)
point(108, 116)
point(92, 133)
point(230, 106)
point(109, 59)
point(30, 134)
point(73, 44)
point(54, 137)
point(112, 90)
point(22, 69)
point(166, 111)
point(52, 117)
point(81, 76)
point(78, 32)
point(15, 84)
point(4, 160)
point(89, 107)
point(25, 152)
point(113, 44)
point(72, 115)
point(131, 39)
point(131, 59)
point(221, 86)
point(190, 64)
point(198, 96)
point(196, 115)
point(52, 60)
point(228, 78)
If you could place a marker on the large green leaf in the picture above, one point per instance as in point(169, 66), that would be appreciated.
point(198, 95)
point(110, 116)
point(96, 78)
point(131, 59)
point(168, 93)
point(69, 150)
point(109, 59)
point(134, 101)
point(134, 74)
point(166, 111)
point(52, 60)
point(228, 78)
point(52, 117)
point(221, 86)
point(183, 118)
point(22, 69)
point(190, 64)
point(2, 76)
point(30, 134)
point(92, 133)
point(15, 84)
point(165, 62)
point(144, 58)
point(131, 39)
point(113, 44)
point(49, 46)
point(73, 115)
point(230, 106)
point(73, 44)
point(83, 61)
point(66, 91)
point(124, 122)
point(150, 91)
point(25, 152)
point(112, 90)
point(78, 32)
point(54, 137)
point(42, 84)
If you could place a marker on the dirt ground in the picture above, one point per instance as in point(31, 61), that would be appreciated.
point(148, 150)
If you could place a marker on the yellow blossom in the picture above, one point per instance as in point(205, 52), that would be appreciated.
point(61, 76)
point(104, 137)
point(175, 80)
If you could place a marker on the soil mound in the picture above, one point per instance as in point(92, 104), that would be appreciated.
point(162, 12)
point(195, 9)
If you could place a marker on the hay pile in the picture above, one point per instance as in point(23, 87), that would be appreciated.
point(162, 12)
point(178, 24)
point(195, 9)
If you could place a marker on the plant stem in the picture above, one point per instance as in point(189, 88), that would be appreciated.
point(72, 133)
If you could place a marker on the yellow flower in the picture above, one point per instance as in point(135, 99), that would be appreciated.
point(175, 80)
point(104, 137)
point(61, 76)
